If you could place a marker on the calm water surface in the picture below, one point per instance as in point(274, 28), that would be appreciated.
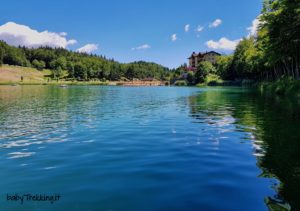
point(151, 148)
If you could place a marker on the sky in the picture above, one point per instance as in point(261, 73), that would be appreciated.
point(160, 31)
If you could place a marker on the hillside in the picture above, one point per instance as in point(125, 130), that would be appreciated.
point(64, 63)
point(12, 74)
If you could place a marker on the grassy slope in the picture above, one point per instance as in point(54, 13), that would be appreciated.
point(12, 74)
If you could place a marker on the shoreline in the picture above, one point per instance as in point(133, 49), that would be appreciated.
point(83, 83)
point(13, 75)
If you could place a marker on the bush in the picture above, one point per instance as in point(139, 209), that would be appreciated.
point(191, 77)
point(180, 83)
point(283, 86)
point(213, 80)
point(40, 65)
point(203, 69)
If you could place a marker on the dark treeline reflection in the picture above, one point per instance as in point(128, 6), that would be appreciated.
point(274, 123)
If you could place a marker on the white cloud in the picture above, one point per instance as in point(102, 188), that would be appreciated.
point(142, 47)
point(187, 27)
point(216, 23)
point(223, 43)
point(174, 37)
point(72, 42)
point(254, 27)
point(88, 48)
point(16, 34)
point(200, 28)
point(63, 34)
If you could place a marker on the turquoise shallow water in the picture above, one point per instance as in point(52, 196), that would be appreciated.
point(148, 148)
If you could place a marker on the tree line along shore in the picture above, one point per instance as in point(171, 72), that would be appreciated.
point(18, 75)
point(270, 58)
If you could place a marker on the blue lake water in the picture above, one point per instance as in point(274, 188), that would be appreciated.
point(148, 148)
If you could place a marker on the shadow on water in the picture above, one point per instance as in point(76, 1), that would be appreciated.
point(274, 123)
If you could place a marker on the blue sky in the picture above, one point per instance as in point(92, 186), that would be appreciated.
point(133, 30)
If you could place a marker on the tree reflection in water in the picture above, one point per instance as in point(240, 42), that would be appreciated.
point(275, 124)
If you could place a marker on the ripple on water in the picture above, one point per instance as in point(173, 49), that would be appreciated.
point(156, 148)
point(14, 155)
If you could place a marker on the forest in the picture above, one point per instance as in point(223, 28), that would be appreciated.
point(272, 53)
point(79, 66)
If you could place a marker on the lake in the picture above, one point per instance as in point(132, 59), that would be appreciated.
point(148, 148)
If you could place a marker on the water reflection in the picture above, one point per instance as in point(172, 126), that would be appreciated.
point(37, 115)
point(45, 114)
point(184, 148)
point(273, 127)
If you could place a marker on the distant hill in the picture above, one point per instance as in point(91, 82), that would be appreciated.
point(63, 63)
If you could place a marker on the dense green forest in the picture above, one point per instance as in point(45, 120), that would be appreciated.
point(273, 53)
point(79, 66)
